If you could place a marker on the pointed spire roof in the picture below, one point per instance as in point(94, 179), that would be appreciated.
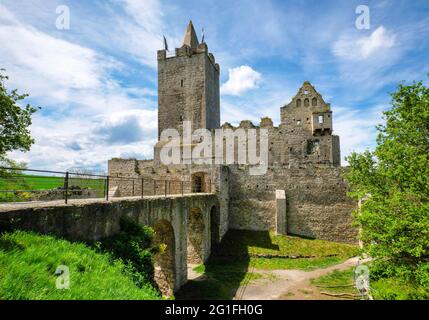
point(190, 39)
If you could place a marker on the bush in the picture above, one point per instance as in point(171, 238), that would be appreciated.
point(397, 289)
point(132, 245)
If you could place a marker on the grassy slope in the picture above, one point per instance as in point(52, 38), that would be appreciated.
point(31, 182)
point(338, 281)
point(28, 262)
point(35, 182)
point(240, 252)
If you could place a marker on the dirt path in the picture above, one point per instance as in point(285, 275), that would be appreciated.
point(290, 284)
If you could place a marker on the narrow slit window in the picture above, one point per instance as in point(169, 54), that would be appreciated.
point(181, 83)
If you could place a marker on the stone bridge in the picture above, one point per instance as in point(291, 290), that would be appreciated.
point(186, 224)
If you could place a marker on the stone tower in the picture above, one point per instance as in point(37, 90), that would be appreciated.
point(188, 86)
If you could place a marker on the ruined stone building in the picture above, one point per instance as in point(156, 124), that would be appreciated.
point(302, 192)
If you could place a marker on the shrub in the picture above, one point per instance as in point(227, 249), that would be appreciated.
point(133, 245)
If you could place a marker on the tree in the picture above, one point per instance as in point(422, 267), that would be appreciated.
point(394, 179)
point(14, 121)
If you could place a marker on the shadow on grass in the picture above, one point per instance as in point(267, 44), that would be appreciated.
point(225, 271)
point(7, 245)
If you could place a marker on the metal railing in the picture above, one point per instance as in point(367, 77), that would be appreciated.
point(24, 185)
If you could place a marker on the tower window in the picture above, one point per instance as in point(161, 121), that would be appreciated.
point(298, 122)
point(314, 102)
point(298, 103)
point(306, 102)
point(312, 146)
point(181, 83)
point(181, 118)
point(320, 119)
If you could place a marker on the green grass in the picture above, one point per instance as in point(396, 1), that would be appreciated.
point(242, 252)
point(38, 182)
point(337, 282)
point(396, 289)
point(265, 250)
point(381, 289)
point(27, 270)
point(31, 182)
point(300, 264)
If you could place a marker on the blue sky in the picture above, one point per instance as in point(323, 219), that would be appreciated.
point(97, 81)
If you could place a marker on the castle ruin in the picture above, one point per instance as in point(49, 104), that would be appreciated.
point(302, 192)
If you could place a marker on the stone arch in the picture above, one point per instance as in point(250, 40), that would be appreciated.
point(164, 265)
point(314, 102)
point(306, 102)
point(298, 103)
point(214, 225)
point(195, 234)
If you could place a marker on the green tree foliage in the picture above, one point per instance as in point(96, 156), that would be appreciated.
point(394, 180)
point(14, 121)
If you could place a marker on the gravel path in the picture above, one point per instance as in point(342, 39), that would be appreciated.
point(290, 284)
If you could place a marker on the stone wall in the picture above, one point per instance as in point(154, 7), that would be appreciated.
point(317, 202)
point(216, 180)
point(316, 198)
point(292, 145)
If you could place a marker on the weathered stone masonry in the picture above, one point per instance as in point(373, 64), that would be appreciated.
point(303, 153)
point(302, 192)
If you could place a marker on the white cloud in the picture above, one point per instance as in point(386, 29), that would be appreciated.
point(47, 67)
point(147, 13)
point(356, 128)
point(241, 79)
point(365, 62)
point(79, 98)
point(377, 41)
point(141, 30)
point(354, 47)
point(128, 126)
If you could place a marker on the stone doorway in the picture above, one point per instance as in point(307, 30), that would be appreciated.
point(164, 273)
point(195, 243)
point(214, 225)
point(198, 182)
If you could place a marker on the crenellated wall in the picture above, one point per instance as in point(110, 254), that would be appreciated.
point(293, 145)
